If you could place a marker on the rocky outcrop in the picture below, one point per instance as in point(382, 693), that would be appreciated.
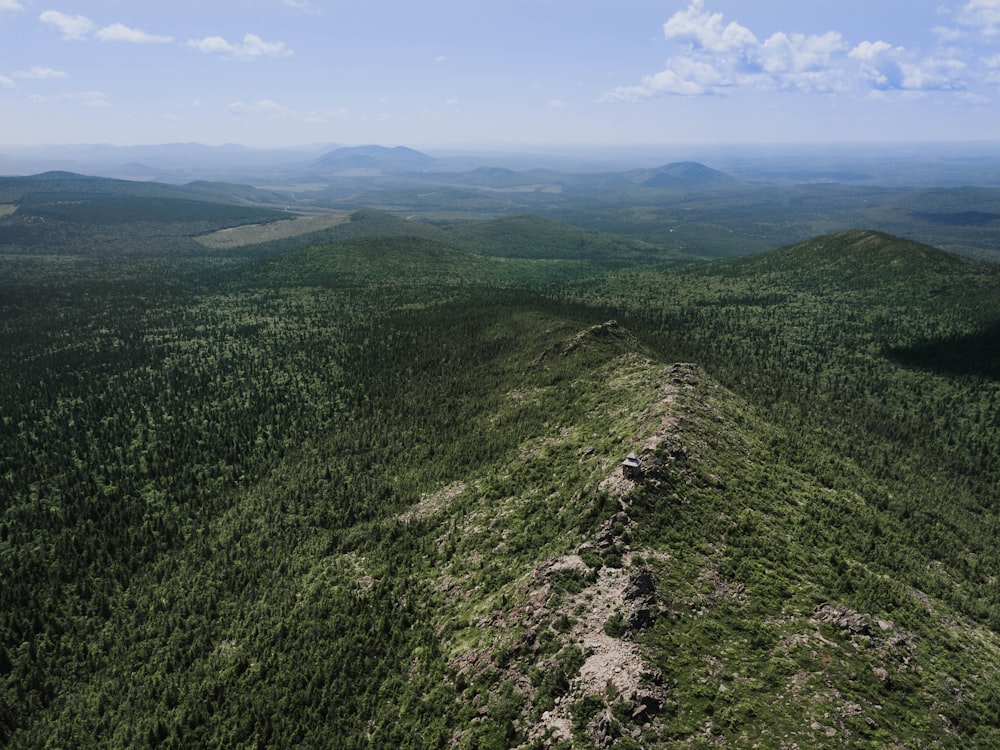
point(640, 599)
point(896, 644)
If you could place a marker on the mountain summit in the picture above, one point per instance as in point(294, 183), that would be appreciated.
point(383, 158)
point(683, 175)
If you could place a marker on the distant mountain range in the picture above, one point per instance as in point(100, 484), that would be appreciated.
point(664, 167)
point(373, 160)
point(180, 163)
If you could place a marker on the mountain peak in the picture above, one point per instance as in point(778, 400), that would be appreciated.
point(683, 175)
point(398, 158)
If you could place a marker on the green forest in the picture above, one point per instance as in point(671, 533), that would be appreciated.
point(363, 488)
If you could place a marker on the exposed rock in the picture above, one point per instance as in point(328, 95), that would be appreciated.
point(610, 533)
point(622, 517)
point(640, 595)
point(604, 540)
point(640, 619)
point(431, 504)
point(844, 618)
point(713, 588)
point(646, 706)
point(640, 586)
point(602, 730)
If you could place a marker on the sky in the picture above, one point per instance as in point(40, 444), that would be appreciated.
point(473, 73)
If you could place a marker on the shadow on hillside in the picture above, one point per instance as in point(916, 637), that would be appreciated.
point(974, 354)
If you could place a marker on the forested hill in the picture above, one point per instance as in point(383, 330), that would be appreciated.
point(524, 237)
point(16, 189)
point(66, 214)
point(369, 494)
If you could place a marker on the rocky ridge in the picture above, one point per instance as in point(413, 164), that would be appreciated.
point(618, 643)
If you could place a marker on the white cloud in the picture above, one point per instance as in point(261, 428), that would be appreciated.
point(887, 68)
point(118, 32)
point(37, 72)
point(869, 50)
point(10, 5)
point(948, 34)
point(85, 98)
point(265, 107)
point(685, 77)
point(214, 45)
point(975, 99)
point(303, 5)
point(80, 27)
point(993, 69)
point(791, 53)
point(252, 48)
point(879, 65)
point(6, 83)
point(705, 30)
point(72, 27)
point(934, 74)
point(983, 15)
point(719, 57)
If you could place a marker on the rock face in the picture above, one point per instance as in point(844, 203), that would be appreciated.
point(640, 586)
point(602, 730)
point(845, 619)
point(640, 597)
point(612, 530)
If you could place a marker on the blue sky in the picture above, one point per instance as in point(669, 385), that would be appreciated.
point(465, 73)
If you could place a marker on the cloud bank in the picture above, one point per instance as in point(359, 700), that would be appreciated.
point(719, 58)
point(982, 16)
